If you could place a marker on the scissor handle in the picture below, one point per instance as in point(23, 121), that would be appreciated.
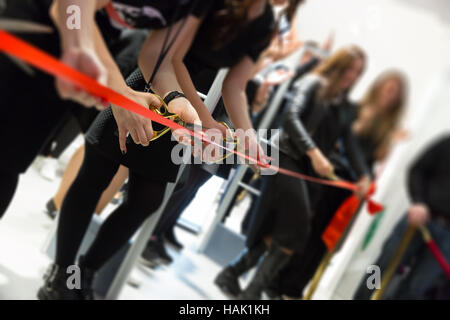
point(163, 111)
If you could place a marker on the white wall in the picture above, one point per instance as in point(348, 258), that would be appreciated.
point(405, 34)
point(410, 35)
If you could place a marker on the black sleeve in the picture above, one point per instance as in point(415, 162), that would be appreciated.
point(420, 169)
point(262, 35)
point(352, 148)
point(305, 68)
point(255, 51)
point(354, 153)
point(303, 94)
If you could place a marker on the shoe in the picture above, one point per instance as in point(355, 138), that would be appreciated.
point(228, 279)
point(48, 168)
point(272, 294)
point(273, 262)
point(87, 280)
point(155, 254)
point(228, 282)
point(52, 212)
point(272, 290)
point(55, 286)
point(171, 239)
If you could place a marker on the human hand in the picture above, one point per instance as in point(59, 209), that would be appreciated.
point(86, 61)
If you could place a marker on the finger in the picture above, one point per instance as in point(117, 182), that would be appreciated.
point(153, 100)
point(123, 140)
point(102, 104)
point(86, 99)
point(102, 76)
point(135, 136)
point(148, 130)
point(64, 88)
point(143, 136)
point(186, 112)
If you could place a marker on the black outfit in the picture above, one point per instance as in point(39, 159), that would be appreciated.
point(418, 272)
point(252, 87)
point(20, 109)
point(29, 121)
point(203, 62)
point(150, 169)
point(429, 179)
point(296, 275)
point(308, 123)
point(283, 210)
point(155, 14)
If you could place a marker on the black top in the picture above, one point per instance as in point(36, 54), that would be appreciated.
point(144, 160)
point(367, 145)
point(156, 14)
point(250, 41)
point(203, 61)
point(429, 178)
point(310, 122)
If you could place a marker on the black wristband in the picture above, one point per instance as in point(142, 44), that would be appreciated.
point(173, 95)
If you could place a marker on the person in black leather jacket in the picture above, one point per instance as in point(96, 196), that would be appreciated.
point(376, 127)
point(317, 116)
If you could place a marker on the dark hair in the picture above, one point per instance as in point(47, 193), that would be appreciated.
point(230, 21)
point(291, 9)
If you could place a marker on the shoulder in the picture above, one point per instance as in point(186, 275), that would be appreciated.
point(441, 143)
point(309, 82)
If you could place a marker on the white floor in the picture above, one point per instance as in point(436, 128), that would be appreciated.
point(25, 228)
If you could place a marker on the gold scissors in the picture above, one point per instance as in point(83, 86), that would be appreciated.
point(163, 111)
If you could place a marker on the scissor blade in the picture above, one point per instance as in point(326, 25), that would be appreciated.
point(15, 25)
point(26, 68)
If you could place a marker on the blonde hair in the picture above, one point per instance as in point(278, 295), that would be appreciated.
point(380, 129)
point(335, 67)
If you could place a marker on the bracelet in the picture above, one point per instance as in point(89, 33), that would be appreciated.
point(173, 95)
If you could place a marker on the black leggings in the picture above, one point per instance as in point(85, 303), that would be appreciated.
point(8, 185)
point(144, 197)
point(181, 198)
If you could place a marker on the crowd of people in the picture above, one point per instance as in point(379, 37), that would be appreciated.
point(174, 49)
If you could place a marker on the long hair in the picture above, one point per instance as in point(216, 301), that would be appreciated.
point(291, 9)
point(230, 21)
point(334, 68)
point(383, 125)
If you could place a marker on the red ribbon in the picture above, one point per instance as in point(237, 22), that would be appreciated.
point(434, 249)
point(45, 62)
point(439, 256)
point(343, 216)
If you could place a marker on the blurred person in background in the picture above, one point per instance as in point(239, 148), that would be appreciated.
point(240, 54)
point(309, 60)
point(429, 192)
point(317, 116)
point(375, 126)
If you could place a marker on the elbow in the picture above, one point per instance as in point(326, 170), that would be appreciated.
point(231, 87)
